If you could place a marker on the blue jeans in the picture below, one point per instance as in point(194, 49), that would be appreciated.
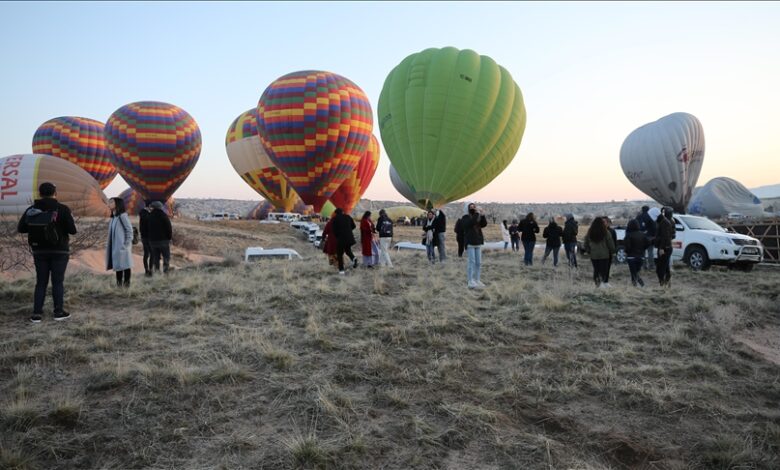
point(430, 249)
point(442, 250)
point(554, 250)
point(475, 263)
point(528, 259)
point(571, 253)
point(53, 264)
point(515, 244)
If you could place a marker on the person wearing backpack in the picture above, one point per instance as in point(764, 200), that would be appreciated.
point(384, 227)
point(48, 225)
point(119, 248)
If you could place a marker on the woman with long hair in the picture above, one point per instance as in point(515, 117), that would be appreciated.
point(599, 244)
point(528, 229)
point(429, 236)
point(119, 248)
point(367, 231)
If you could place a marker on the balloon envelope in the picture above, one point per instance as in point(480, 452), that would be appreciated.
point(451, 121)
point(723, 196)
point(327, 210)
point(353, 188)
point(134, 202)
point(23, 174)
point(154, 146)
point(261, 210)
point(77, 140)
point(315, 126)
point(252, 163)
point(404, 189)
point(664, 158)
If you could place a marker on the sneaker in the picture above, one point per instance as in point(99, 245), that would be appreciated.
point(63, 315)
point(472, 285)
point(36, 318)
point(342, 273)
point(480, 284)
point(605, 285)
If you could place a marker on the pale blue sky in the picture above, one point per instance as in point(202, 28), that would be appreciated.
point(590, 74)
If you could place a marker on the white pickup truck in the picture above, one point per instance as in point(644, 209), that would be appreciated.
point(700, 243)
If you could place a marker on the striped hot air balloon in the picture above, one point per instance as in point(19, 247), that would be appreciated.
point(154, 146)
point(315, 126)
point(78, 140)
point(251, 162)
point(23, 174)
point(134, 202)
point(353, 188)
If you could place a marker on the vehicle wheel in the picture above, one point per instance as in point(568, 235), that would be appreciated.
point(620, 256)
point(697, 259)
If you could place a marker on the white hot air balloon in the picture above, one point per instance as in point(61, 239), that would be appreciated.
point(402, 187)
point(723, 196)
point(663, 159)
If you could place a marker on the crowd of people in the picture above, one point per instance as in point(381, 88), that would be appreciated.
point(49, 224)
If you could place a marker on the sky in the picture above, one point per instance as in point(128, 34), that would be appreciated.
point(590, 73)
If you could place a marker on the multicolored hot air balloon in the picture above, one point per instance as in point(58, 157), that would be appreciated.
point(134, 202)
point(23, 174)
point(251, 162)
point(315, 127)
point(154, 146)
point(664, 158)
point(353, 188)
point(451, 121)
point(261, 210)
point(78, 140)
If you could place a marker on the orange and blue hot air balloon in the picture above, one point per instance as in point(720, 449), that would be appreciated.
point(134, 202)
point(154, 146)
point(353, 188)
point(78, 140)
point(315, 127)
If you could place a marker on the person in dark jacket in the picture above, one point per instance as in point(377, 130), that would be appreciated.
point(648, 226)
point(343, 225)
point(439, 230)
point(160, 236)
point(459, 238)
point(663, 242)
point(471, 224)
point(384, 226)
point(514, 236)
point(635, 243)
point(552, 233)
point(50, 257)
point(429, 236)
point(599, 244)
point(570, 229)
point(528, 229)
point(143, 223)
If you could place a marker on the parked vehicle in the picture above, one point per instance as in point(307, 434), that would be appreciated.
point(257, 253)
point(318, 239)
point(217, 216)
point(284, 216)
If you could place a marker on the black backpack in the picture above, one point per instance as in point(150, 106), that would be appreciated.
point(43, 228)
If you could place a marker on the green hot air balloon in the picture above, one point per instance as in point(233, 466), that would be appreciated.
point(450, 121)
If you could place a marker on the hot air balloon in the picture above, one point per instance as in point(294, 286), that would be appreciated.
point(251, 162)
point(315, 126)
point(327, 210)
point(78, 140)
point(134, 202)
point(22, 174)
point(400, 212)
point(154, 146)
point(450, 121)
point(663, 159)
point(404, 189)
point(723, 196)
point(350, 191)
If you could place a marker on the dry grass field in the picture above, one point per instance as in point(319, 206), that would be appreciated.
point(288, 365)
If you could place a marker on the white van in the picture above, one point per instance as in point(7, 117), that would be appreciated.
point(284, 216)
point(257, 253)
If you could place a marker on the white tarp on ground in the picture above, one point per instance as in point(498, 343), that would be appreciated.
point(723, 196)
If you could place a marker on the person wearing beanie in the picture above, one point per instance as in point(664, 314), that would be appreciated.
point(384, 227)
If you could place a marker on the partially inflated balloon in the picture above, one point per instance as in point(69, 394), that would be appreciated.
point(315, 126)
point(663, 159)
point(134, 202)
point(404, 189)
point(400, 212)
point(451, 121)
point(251, 162)
point(154, 146)
point(327, 210)
point(23, 174)
point(353, 188)
point(723, 196)
point(77, 140)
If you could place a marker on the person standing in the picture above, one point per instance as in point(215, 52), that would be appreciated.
point(613, 235)
point(440, 229)
point(528, 229)
point(459, 238)
point(160, 236)
point(48, 225)
point(635, 244)
point(384, 227)
point(143, 222)
point(663, 242)
point(329, 244)
point(471, 225)
point(119, 247)
point(514, 236)
point(505, 234)
point(343, 225)
point(648, 226)
point(598, 242)
point(552, 233)
point(367, 231)
point(429, 236)
point(570, 229)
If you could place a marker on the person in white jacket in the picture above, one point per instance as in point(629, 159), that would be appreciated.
point(119, 248)
point(505, 234)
